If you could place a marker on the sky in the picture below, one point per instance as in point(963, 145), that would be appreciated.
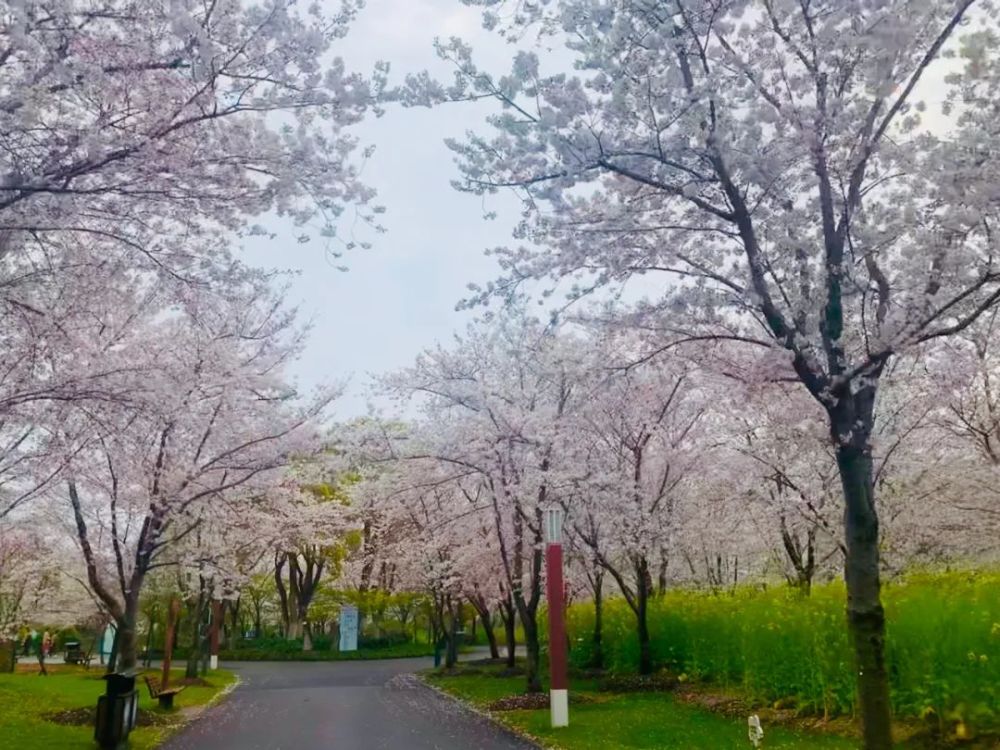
point(398, 298)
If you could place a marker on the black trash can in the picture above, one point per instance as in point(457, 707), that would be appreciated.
point(73, 652)
point(116, 710)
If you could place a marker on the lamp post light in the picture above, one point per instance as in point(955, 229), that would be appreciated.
point(552, 519)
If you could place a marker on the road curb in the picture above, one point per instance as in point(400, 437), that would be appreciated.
point(196, 712)
point(484, 714)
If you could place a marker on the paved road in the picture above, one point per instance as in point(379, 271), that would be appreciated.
point(339, 706)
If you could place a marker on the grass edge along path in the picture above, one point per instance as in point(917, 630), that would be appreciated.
point(26, 699)
point(619, 720)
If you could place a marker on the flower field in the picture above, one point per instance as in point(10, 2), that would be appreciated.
point(775, 645)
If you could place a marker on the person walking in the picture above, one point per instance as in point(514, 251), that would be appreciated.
point(43, 653)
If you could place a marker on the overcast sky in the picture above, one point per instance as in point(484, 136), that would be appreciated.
point(399, 297)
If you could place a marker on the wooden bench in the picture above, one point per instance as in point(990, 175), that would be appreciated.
point(165, 697)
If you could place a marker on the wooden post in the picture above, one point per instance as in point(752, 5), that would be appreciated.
point(214, 633)
point(558, 663)
point(168, 643)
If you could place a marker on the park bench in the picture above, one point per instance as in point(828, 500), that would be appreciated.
point(164, 697)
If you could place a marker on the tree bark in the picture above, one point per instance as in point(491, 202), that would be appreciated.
point(451, 654)
point(482, 609)
point(597, 639)
point(168, 641)
point(194, 655)
point(533, 652)
point(509, 630)
point(642, 623)
point(865, 615)
point(125, 639)
point(491, 637)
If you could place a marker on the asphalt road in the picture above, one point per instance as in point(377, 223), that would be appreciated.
point(350, 705)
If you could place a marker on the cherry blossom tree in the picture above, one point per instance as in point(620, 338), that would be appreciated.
point(210, 435)
point(25, 578)
point(775, 162)
point(69, 312)
point(427, 526)
point(967, 370)
point(647, 429)
point(495, 404)
point(142, 122)
point(310, 518)
point(791, 493)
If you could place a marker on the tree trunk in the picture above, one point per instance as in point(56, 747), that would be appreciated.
point(865, 615)
point(194, 655)
point(597, 653)
point(451, 654)
point(642, 589)
point(126, 646)
point(491, 636)
point(509, 632)
point(533, 652)
point(645, 650)
point(481, 608)
point(149, 639)
point(8, 652)
point(169, 638)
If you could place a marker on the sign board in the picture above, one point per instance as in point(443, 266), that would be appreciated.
point(348, 628)
point(108, 640)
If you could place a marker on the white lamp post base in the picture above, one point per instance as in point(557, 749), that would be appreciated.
point(213, 661)
point(559, 704)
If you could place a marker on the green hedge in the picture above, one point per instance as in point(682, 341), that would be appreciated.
point(944, 644)
point(289, 652)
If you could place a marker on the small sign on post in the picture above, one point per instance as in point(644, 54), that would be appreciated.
point(348, 628)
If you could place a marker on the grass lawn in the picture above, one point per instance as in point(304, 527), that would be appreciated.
point(26, 696)
point(627, 720)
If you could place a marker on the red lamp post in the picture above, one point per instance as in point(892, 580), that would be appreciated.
point(554, 592)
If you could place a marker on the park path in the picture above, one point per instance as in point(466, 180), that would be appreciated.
point(349, 705)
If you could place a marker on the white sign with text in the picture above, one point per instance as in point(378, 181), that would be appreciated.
point(348, 628)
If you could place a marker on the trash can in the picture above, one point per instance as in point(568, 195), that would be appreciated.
point(116, 710)
point(73, 652)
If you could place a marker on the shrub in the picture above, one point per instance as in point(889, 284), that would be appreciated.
point(383, 641)
point(250, 652)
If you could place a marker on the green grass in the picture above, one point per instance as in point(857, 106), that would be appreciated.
point(943, 644)
point(626, 720)
point(25, 697)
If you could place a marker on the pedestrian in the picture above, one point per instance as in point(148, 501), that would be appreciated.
point(26, 646)
point(43, 653)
